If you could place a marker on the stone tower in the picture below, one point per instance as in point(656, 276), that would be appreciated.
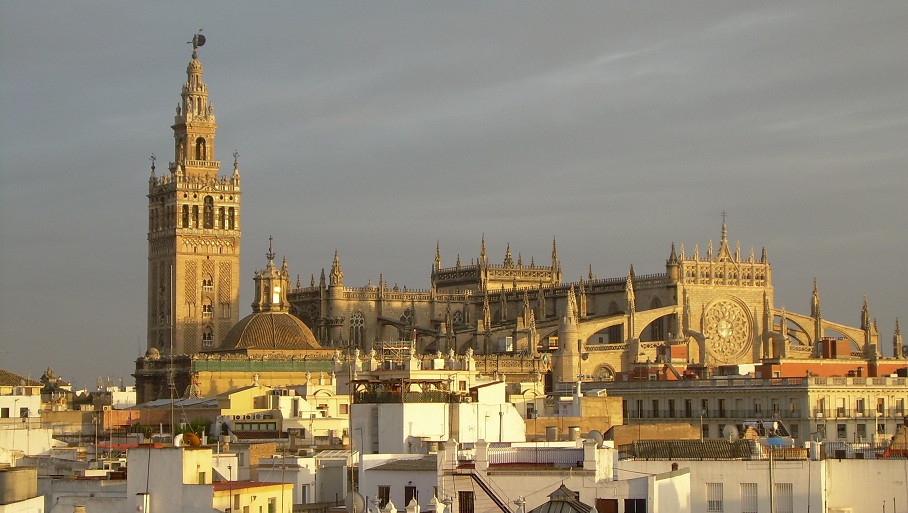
point(193, 231)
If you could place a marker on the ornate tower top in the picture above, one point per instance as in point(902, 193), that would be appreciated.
point(337, 274)
point(271, 285)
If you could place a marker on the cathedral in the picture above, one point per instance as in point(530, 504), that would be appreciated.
point(706, 309)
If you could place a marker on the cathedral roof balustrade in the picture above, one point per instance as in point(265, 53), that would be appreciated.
point(745, 382)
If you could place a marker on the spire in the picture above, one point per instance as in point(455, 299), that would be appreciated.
point(437, 255)
point(508, 261)
point(590, 273)
point(815, 301)
point(672, 258)
point(194, 124)
point(897, 344)
point(337, 274)
point(629, 292)
point(554, 254)
point(865, 315)
point(724, 253)
point(571, 312)
point(270, 254)
point(482, 251)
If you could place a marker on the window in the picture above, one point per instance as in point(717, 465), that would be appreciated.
point(201, 478)
point(207, 283)
point(4, 413)
point(384, 495)
point(272, 505)
point(859, 406)
point(465, 502)
point(410, 493)
point(861, 431)
point(758, 407)
point(840, 431)
point(200, 150)
point(208, 212)
point(900, 406)
point(704, 430)
point(207, 309)
point(207, 337)
point(880, 405)
point(783, 498)
point(357, 327)
point(236, 501)
point(344, 409)
point(671, 408)
point(634, 505)
point(185, 212)
point(749, 498)
point(231, 219)
point(714, 497)
point(655, 408)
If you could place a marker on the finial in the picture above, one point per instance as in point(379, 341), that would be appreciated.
point(270, 254)
point(724, 231)
point(152, 158)
point(197, 41)
point(235, 155)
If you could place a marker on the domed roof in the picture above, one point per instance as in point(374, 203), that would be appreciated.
point(270, 330)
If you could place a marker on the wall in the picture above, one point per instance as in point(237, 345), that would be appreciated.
point(881, 481)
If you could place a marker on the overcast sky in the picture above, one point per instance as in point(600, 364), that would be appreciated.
point(379, 128)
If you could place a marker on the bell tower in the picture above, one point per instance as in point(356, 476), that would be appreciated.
point(193, 231)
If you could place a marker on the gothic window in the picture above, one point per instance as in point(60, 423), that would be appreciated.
point(407, 318)
point(185, 216)
point(457, 318)
point(657, 328)
point(207, 308)
point(357, 327)
point(201, 151)
point(207, 283)
point(208, 215)
point(207, 337)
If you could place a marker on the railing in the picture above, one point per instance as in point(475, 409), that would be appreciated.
point(714, 414)
point(545, 456)
point(385, 397)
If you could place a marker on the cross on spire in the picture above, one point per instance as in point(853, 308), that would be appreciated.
point(270, 254)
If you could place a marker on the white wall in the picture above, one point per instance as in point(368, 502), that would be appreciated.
point(292, 469)
point(878, 482)
point(161, 473)
point(370, 480)
point(806, 478)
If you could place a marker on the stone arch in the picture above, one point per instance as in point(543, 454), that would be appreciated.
point(201, 149)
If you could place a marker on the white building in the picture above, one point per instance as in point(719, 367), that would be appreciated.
point(180, 479)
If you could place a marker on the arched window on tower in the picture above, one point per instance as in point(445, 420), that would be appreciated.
point(208, 213)
point(207, 337)
point(357, 327)
point(185, 214)
point(222, 219)
point(231, 219)
point(201, 151)
point(195, 216)
point(207, 283)
point(207, 308)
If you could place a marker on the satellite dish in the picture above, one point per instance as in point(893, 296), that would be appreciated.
point(355, 503)
point(597, 436)
point(191, 439)
point(730, 432)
